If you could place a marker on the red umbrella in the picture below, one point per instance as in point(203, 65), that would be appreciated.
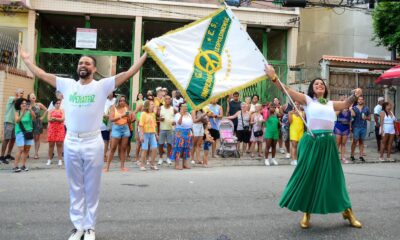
point(390, 77)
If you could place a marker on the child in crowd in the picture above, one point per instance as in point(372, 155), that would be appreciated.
point(271, 135)
point(208, 141)
point(296, 130)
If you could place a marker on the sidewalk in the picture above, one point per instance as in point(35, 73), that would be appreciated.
point(372, 156)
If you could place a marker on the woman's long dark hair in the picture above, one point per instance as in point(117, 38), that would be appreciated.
point(384, 105)
point(310, 91)
point(19, 102)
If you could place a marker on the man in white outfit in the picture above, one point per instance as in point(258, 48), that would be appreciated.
point(84, 102)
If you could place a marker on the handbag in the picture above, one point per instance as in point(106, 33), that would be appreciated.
point(27, 135)
point(258, 133)
point(245, 128)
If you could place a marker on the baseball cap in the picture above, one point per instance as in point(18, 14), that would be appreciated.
point(381, 99)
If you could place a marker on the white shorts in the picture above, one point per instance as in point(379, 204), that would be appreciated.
point(198, 130)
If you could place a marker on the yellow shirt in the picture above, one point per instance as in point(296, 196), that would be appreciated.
point(148, 122)
point(158, 102)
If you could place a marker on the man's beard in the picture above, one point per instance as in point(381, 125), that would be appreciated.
point(84, 73)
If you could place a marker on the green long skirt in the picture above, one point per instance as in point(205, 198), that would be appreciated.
point(317, 184)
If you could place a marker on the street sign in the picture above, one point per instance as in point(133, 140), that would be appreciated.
point(86, 38)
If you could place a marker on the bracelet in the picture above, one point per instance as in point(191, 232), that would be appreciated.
point(274, 78)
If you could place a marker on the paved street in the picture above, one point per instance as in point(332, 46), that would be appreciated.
point(197, 204)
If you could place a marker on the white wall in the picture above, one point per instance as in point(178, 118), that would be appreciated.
point(323, 32)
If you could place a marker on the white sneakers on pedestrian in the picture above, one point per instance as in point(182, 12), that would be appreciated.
point(269, 162)
point(89, 235)
point(60, 162)
point(274, 162)
point(293, 163)
point(281, 150)
point(192, 162)
point(160, 161)
point(48, 162)
point(266, 162)
point(77, 235)
point(287, 155)
point(168, 161)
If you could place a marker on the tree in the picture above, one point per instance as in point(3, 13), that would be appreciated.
point(386, 24)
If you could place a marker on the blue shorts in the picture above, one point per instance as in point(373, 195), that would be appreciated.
point(20, 140)
point(149, 139)
point(207, 146)
point(359, 133)
point(105, 135)
point(120, 131)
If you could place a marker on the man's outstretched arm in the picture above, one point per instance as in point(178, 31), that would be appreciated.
point(124, 76)
point(38, 72)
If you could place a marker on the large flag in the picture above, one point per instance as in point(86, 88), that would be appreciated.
point(209, 58)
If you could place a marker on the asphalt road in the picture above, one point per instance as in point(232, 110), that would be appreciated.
point(236, 203)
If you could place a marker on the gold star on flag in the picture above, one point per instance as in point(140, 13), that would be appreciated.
point(209, 39)
point(161, 48)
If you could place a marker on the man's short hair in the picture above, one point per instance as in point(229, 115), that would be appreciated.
point(19, 90)
point(236, 93)
point(91, 57)
point(381, 99)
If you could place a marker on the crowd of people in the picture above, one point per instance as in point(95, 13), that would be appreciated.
point(164, 124)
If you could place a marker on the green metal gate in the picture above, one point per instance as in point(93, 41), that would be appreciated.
point(57, 53)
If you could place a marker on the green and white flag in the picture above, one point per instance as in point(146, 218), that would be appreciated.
point(209, 58)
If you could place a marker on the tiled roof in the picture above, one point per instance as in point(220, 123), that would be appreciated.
point(360, 60)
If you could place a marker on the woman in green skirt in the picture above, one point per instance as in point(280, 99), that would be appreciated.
point(317, 184)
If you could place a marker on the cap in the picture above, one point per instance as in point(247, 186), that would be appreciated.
point(158, 89)
point(381, 99)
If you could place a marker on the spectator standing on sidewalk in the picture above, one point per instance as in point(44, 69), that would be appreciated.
point(24, 117)
point(296, 130)
point(9, 127)
point(37, 108)
point(361, 115)
point(56, 131)
point(120, 133)
point(148, 135)
point(271, 135)
point(257, 132)
point(387, 130)
point(166, 118)
point(342, 130)
point(215, 113)
point(199, 118)
point(232, 108)
point(183, 137)
point(377, 119)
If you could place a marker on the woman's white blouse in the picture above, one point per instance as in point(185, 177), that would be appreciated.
point(319, 116)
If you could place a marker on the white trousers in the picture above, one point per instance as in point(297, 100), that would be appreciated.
point(84, 163)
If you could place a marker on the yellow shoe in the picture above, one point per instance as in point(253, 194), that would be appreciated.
point(349, 215)
point(305, 221)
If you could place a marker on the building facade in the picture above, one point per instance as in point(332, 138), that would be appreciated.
point(123, 27)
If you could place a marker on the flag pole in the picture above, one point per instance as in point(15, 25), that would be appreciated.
point(294, 105)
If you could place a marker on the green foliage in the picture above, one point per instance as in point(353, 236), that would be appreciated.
point(386, 24)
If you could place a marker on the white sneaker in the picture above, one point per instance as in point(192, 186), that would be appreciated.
point(274, 162)
point(281, 150)
point(48, 162)
point(168, 161)
point(287, 155)
point(76, 234)
point(293, 163)
point(192, 162)
point(160, 161)
point(266, 162)
point(59, 162)
point(89, 235)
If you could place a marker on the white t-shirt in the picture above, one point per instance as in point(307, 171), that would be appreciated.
point(84, 104)
point(176, 102)
point(187, 121)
